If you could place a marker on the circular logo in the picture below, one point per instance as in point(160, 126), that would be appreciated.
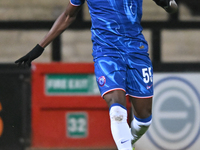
point(102, 81)
point(176, 112)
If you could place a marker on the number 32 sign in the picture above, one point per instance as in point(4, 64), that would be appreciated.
point(77, 124)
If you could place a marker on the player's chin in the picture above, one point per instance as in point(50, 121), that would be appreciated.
point(172, 8)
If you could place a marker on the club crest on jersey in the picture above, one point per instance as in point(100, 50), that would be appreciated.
point(102, 81)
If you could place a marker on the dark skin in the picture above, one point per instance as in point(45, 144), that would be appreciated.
point(141, 106)
point(61, 23)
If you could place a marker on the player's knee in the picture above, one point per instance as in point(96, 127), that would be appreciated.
point(145, 114)
point(117, 96)
point(118, 113)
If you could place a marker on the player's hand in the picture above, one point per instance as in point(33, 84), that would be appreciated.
point(170, 6)
point(29, 57)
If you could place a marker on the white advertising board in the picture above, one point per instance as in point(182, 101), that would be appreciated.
point(176, 113)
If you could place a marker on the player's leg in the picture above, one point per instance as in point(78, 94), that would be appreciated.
point(142, 110)
point(140, 90)
point(120, 129)
point(111, 76)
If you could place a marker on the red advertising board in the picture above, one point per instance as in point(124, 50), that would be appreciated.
point(67, 109)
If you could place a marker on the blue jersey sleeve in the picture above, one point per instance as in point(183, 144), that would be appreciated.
point(77, 2)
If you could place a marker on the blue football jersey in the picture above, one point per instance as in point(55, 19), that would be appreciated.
point(116, 29)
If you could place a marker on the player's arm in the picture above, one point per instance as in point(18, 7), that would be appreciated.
point(61, 23)
point(170, 6)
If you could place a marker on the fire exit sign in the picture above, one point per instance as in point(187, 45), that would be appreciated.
point(71, 84)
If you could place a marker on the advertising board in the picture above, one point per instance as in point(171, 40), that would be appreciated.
point(176, 113)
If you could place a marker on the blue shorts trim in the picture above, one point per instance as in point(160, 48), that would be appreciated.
point(140, 96)
point(112, 90)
